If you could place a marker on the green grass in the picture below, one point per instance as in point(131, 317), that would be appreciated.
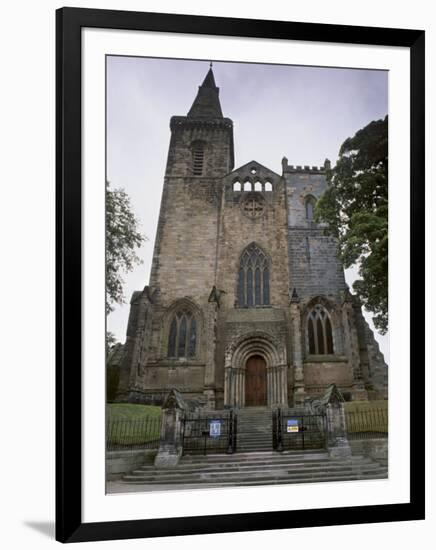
point(129, 424)
point(128, 411)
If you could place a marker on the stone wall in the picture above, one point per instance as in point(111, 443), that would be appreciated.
point(119, 463)
point(320, 373)
point(377, 449)
point(313, 261)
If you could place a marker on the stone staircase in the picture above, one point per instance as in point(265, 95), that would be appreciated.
point(254, 430)
point(250, 469)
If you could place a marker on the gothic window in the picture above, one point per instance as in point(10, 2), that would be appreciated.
point(253, 278)
point(310, 208)
point(258, 186)
point(268, 186)
point(237, 186)
point(319, 332)
point(197, 158)
point(182, 336)
point(247, 186)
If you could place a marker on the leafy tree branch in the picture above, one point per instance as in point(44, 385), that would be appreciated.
point(356, 208)
point(123, 238)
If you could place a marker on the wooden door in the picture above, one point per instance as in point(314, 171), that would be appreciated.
point(255, 382)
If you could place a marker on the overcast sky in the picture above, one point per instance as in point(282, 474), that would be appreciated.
point(303, 113)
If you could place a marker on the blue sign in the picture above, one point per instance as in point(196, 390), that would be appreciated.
point(292, 426)
point(215, 428)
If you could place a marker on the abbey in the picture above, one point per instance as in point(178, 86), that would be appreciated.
point(247, 303)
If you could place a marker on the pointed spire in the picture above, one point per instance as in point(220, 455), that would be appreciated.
point(207, 103)
point(209, 80)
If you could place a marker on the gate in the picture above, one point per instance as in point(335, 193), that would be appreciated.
point(209, 433)
point(298, 431)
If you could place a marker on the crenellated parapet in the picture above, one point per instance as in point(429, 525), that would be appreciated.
point(298, 169)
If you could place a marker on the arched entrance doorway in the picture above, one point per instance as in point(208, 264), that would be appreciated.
point(255, 372)
point(255, 382)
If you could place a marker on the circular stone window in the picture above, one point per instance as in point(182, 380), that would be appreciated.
point(253, 206)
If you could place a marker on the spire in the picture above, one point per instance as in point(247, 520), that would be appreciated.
point(207, 103)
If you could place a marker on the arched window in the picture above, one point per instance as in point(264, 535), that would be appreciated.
point(182, 338)
point(268, 186)
point(257, 186)
point(253, 278)
point(237, 186)
point(319, 332)
point(197, 158)
point(247, 186)
point(310, 207)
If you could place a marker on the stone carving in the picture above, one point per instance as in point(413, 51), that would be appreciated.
point(253, 206)
point(215, 295)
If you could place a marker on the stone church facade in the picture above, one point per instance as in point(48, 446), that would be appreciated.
point(247, 303)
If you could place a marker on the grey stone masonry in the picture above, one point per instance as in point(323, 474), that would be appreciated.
point(241, 275)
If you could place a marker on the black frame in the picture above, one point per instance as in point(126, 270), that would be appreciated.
point(69, 22)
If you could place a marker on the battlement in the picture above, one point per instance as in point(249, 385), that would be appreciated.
point(287, 168)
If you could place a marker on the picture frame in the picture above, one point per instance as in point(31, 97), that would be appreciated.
point(70, 526)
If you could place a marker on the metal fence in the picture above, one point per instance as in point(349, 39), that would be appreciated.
point(298, 431)
point(210, 433)
point(367, 424)
point(137, 434)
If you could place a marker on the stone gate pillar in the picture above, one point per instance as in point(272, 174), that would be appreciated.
point(171, 434)
point(337, 441)
point(332, 404)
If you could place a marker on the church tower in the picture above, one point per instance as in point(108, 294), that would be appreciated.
point(168, 329)
point(200, 154)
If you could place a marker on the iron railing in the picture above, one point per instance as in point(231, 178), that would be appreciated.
point(367, 424)
point(210, 433)
point(129, 435)
point(298, 431)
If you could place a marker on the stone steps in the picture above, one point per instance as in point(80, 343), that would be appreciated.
point(261, 457)
point(258, 479)
point(255, 469)
point(254, 429)
point(207, 485)
point(230, 473)
point(257, 457)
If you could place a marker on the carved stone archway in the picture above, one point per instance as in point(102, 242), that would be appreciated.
point(237, 354)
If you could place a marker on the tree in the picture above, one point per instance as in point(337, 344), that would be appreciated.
point(111, 341)
point(122, 240)
point(356, 208)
